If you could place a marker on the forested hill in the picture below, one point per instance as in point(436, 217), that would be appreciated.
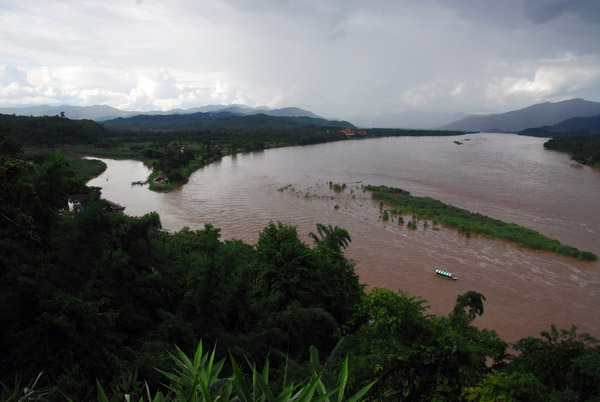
point(51, 130)
point(222, 120)
point(569, 127)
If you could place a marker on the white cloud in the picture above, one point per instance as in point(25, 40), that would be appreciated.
point(549, 79)
point(458, 90)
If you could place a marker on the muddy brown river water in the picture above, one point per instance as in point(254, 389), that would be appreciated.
point(505, 176)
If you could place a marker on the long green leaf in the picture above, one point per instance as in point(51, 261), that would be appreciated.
point(342, 380)
point(321, 387)
point(101, 394)
point(314, 357)
point(307, 392)
point(197, 356)
point(205, 390)
point(356, 397)
point(239, 382)
point(210, 361)
point(264, 386)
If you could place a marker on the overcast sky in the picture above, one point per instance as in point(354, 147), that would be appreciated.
point(337, 58)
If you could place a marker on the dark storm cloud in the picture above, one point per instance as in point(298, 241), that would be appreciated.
point(540, 11)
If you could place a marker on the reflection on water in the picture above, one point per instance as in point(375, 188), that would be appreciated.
point(505, 176)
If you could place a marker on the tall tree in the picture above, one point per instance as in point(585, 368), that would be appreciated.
point(468, 306)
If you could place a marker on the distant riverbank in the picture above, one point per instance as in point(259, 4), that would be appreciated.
point(175, 156)
point(583, 149)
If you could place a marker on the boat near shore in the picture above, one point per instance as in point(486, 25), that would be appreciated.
point(444, 274)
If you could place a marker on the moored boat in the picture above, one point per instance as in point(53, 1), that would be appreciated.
point(444, 274)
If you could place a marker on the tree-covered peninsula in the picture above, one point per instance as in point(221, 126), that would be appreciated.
point(98, 305)
point(402, 202)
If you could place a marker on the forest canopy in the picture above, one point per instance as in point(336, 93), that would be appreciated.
point(583, 149)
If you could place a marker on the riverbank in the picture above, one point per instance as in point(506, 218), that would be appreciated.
point(583, 149)
point(87, 169)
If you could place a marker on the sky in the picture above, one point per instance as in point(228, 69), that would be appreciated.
point(336, 58)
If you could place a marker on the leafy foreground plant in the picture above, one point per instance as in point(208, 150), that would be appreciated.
point(198, 379)
point(20, 393)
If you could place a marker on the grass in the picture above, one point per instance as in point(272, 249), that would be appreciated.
point(120, 152)
point(469, 222)
point(87, 168)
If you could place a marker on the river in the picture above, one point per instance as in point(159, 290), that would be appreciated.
point(505, 176)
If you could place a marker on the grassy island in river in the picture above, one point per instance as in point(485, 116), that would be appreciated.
point(469, 222)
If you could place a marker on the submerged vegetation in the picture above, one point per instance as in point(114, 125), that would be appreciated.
point(468, 222)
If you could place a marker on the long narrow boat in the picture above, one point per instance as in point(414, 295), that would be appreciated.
point(445, 274)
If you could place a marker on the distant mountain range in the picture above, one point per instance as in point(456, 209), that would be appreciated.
point(97, 112)
point(103, 112)
point(542, 114)
point(220, 120)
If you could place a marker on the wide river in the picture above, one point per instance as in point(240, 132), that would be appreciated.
point(505, 176)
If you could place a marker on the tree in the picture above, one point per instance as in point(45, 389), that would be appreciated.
point(335, 238)
point(563, 360)
point(291, 277)
point(513, 387)
point(416, 357)
point(17, 199)
point(472, 302)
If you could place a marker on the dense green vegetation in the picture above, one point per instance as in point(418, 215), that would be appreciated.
point(583, 149)
point(186, 142)
point(86, 169)
point(96, 294)
point(469, 222)
point(52, 131)
point(93, 303)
